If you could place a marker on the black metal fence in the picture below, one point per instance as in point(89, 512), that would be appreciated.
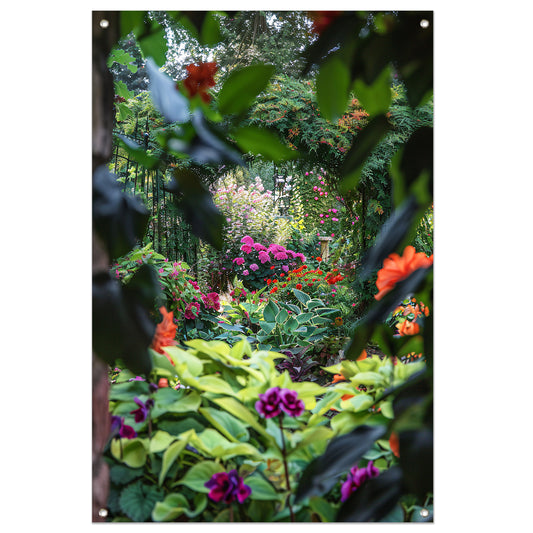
point(170, 234)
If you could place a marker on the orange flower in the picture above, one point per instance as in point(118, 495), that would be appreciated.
point(163, 382)
point(408, 328)
point(394, 443)
point(199, 79)
point(164, 333)
point(338, 377)
point(396, 268)
point(347, 396)
point(319, 259)
point(363, 356)
point(338, 321)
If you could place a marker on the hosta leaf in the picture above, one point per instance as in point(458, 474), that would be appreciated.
point(199, 474)
point(138, 500)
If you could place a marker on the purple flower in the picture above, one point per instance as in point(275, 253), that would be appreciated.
point(123, 431)
point(144, 409)
point(227, 486)
point(137, 378)
point(290, 403)
point(268, 404)
point(356, 477)
point(254, 267)
point(285, 268)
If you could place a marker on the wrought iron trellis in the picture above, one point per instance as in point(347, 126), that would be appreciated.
point(169, 232)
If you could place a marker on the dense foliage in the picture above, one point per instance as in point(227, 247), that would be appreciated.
point(280, 400)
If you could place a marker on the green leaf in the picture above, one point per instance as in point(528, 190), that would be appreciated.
point(363, 145)
point(303, 317)
point(375, 98)
point(137, 153)
point(325, 510)
point(291, 325)
point(170, 508)
point(267, 327)
point(199, 474)
point(301, 296)
point(138, 500)
point(170, 456)
point(210, 34)
point(127, 391)
point(270, 311)
point(160, 441)
point(214, 384)
point(130, 451)
point(242, 86)
point(261, 489)
point(232, 428)
point(122, 475)
point(121, 89)
point(332, 88)
point(167, 99)
point(121, 57)
point(261, 141)
point(154, 44)
point(131, 21)
point(282, 316)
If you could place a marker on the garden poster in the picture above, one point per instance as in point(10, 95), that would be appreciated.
point(262, 266)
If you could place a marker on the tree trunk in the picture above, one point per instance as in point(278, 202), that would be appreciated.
point(104, 36)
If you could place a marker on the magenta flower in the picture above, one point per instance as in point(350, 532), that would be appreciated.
point(245, 272)
point(247, 240)
point(254, 267)
point(290, 403)
point(123, 431)
point(356, 477)
point(285, 268)
point(239, 260)
point(227, 487)
point(268, 404)
point(192, 310)
point(280, 256)
point(144, 408)
point(259, 247)
point(246, 248)
point(211, 300)
point(264, 257)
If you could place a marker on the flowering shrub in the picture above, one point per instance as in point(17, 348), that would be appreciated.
point(187, 308)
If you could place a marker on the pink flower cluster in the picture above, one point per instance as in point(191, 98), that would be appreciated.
point(264, 254)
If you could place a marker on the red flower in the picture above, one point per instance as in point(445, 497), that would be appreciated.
point(322, 19)
point(199, 79)
point(164, 333)
point(299, 286)
point(272, 291)
point(396, 268)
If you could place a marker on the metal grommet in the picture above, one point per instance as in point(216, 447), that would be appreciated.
point(424, 23)
point(102, 513)
point(104, 23)
point(424, 512)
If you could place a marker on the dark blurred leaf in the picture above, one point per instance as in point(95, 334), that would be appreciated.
point(210, 33)
point(153, 43)
point(374, 499)
point(242, 86)
point(264, 142)
point(197, 206)
point(208, 147)
point(341, 454)
point(138, 153)
point(376, 97)
point(122, 325)
point(415, 391)
point(412, 168)
point(167, 99)
point(119, 219)
point(416, 460)
point(390, 236)
point(332, 88)
point(131, 21)
point(363, 145)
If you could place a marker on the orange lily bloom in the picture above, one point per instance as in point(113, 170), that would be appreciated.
point(396, 268)
point(163, 382)
point(164, 333)
point(394, 442)
point(408, 328)
point(338, 377)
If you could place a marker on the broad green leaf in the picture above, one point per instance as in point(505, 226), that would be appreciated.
point(301, 296)
point(137, 500)
point(267, 327)
point(131, 21)
point(282, 316)
point(171, 454)
point(360, 402)
point(122, 475)
point(121, 89)
point(240, 349)
point(261, 489)
point(324, 509)
point(210, 32)
point(242, 86)
point(231, 427)
point(185, 362)
point(188, 403)
point(303, 317)
point(367, 378)
point(291, 325)
point(170, 508)
point(154, 44)
point(129, 451)
point(332, 88)
point(270, 311)
point(215, 384)
point(375, 98)
point(160, 441)
point(199, 474)
point(127, 391)
point(121, 57)
point(261, 141)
